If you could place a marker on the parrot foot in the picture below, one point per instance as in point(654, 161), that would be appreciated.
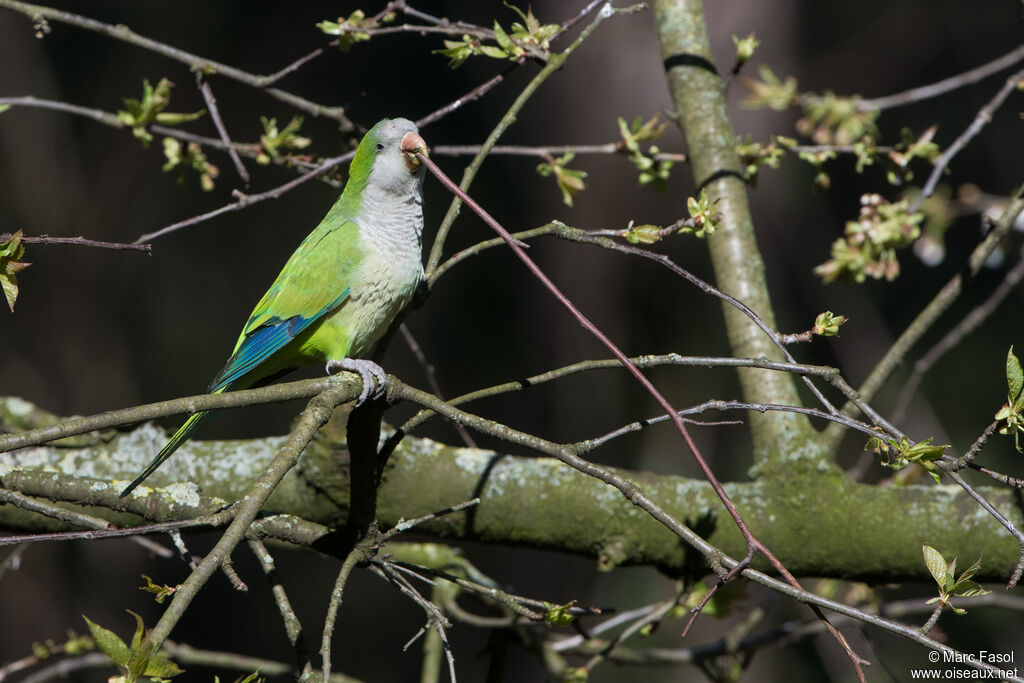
point(373, 376)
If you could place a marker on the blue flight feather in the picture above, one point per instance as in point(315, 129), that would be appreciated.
point(264, 341)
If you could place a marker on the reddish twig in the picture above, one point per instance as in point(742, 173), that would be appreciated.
point(753, 544)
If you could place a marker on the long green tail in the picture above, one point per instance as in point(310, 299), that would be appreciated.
point(180, 437)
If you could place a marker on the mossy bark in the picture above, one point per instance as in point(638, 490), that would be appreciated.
point(828, 526)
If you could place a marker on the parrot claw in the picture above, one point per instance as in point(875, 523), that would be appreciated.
point(373, 376)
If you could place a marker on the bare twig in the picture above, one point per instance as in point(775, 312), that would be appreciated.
point(474, 94)
point(248, 149)
point(946, 85)
point(193, 62)
point(435, 617)
point(787, 633)
point(555, 62)
point(656, 615)
point(228, 568)
point(574, 234)
point(964, 327)
point(106, 118)
point(474, 581)
point(753, 543)
point(638, 498)
point(313, 417)
point(454, 29)
point(211, 106)
point(82, 242)
point(431, 375)
point(983, 117)
point(714, 404)
point(183, 552)
point(231, 399)
point(405, 525)
point(544, 151)
point(159, 527)
point(294, 66)
point(292, 625)
point(245, 200)
point(67, 667)
point(357, 555)
point(183, 653)
point(991, 509)
point(62, 514)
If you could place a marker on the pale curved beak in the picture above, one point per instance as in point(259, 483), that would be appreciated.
point(411, 145)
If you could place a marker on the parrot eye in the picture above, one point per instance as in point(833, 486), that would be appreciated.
point(380, 146)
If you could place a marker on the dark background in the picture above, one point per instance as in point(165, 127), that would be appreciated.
point(96, 330)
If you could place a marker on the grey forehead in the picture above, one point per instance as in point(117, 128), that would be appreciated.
point(396, 128)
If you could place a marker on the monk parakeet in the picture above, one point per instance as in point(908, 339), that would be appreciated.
point(343, 286)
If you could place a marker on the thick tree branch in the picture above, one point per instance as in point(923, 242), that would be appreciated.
point(699, 97)
point(541, 503)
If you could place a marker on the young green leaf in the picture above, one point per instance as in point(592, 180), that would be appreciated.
point(833, 120)
point(1014, 376)
point(570, 181)
point(254, 677)
point(936, 565)
point(558, 615)
point(642, 234)
point(273, 140)
point(1013, 411)
point(827, 324)
point(745, 48)
point(577, 674)
point(108, 643)
point(190, 156)
point(160, 592)
point(960, 587)
point(347, 30)
point(652, 171)
point(159, 667)
point(868, 247)
point(138, 114)
point(508, 48)
point(703, 214)
point(11, 253)
point(458, 51)
point(136, 660)
point(770, 92)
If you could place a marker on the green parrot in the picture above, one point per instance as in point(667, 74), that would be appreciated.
point(343, 286)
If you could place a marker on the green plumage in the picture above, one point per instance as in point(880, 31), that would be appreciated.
point(343, 286)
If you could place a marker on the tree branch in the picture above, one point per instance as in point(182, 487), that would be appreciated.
point(195, 63)
point(699, 98)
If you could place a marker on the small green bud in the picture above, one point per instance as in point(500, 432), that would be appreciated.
point(827, 324)
point(745, 48)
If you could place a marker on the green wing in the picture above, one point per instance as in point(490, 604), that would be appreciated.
point(315, 281)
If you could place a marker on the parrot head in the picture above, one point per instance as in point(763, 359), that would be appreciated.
point(386, 157)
